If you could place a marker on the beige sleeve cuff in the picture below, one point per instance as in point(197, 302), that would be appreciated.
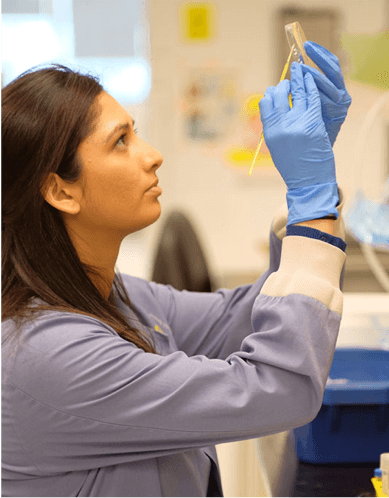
point(309, 267)
point(281, 217)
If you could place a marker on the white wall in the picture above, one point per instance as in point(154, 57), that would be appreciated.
point(231, 211)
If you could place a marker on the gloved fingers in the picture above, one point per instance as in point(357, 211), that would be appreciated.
point(266, 104)
point(327, 62)
point(297, 87)
point(315, 47)
point(281, 97)
point(313, 97)
point(323, 83)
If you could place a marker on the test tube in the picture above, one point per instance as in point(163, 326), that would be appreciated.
point(296, 39)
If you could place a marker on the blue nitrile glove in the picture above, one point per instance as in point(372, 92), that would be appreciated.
point(334, 97)
point(300, 147)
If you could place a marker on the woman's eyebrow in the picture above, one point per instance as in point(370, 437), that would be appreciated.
point(119, 127)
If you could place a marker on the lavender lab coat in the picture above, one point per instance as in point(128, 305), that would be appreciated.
point(86, 413)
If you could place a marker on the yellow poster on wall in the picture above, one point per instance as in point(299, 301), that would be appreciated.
point(197, 21)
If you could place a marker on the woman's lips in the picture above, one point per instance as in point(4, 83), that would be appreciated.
point(155, 189)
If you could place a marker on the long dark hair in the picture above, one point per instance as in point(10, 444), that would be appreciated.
point(46, 114)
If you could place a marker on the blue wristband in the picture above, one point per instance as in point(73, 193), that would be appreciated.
point(316, 234)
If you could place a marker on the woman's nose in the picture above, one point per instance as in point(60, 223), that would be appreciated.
point(159, 159)
point(154, 158)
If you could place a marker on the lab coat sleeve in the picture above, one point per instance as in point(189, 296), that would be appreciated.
point(77, 396)
point(215, 324)
point(212, 324)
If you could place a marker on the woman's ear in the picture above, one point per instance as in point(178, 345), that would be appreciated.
point(61, 194)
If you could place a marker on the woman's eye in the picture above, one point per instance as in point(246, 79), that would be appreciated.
point(123, 139)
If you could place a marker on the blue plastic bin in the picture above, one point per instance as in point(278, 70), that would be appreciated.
point(353, 423)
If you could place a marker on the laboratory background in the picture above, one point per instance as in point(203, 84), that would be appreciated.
point(191, 75)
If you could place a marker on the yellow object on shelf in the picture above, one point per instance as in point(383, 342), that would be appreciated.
point(242, 156)
point(377, 483)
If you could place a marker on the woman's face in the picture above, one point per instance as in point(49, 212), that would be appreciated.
point(119, 181)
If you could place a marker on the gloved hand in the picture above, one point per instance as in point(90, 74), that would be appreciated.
point(334, 97)
point(300, 148)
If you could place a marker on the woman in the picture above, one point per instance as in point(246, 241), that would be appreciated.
point(103, 396)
